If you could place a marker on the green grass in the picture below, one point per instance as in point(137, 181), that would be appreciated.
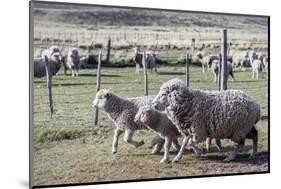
point(70, 149)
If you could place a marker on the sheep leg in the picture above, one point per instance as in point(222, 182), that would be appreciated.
point(218, 144)
point(137, 68)
point(157, 148)
point(72, 72)
point(167, 146)
point(117, 133)
point(129, 138)
point(197, 150)
point(208, 144)
point(254, 136)
point(155, 140)
point(180, 153)
point(176, 144)
point(233, 154)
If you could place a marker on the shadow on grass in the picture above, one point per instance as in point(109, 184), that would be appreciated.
point(243, 157)
point(171, 73)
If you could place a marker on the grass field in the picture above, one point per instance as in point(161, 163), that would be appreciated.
point(69, 149)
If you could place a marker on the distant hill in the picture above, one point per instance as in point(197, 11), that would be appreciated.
point(90, 15)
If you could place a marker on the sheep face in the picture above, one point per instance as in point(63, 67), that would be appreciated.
point(160, 100)
point(101, 99)
point(144, 114)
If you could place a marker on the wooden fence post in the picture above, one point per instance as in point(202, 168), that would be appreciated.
point(192, 46)
point(98, 84)
point(108, 51)
point(224, 60)
point(188, 61)
point(145, 74)
point(49, 85)
point(219, 74)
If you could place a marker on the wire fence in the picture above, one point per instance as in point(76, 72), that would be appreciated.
point(73, 96)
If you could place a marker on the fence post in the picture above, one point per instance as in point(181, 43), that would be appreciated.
point(49, 85)
point(108, 51)
point(224, 60)
point(219, 74)
point(145, 74)
point(98, 85)
point(188, 61)
point(192, 46)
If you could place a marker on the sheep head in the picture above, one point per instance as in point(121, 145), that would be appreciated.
point(165, 90)
point(144, 114)
point(101, 98)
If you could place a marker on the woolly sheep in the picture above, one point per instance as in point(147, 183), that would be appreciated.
point(200, 114)
point(54, 57)
point(215, 69)
point(122, 112)
point(72, 62)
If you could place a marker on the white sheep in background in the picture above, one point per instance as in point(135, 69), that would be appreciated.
point(150, 60)
point(72, 62)
point(54, 57)
point(215, 70)
point(160, 123)
point(200, 114)
point(257, 67)
point(206, 61)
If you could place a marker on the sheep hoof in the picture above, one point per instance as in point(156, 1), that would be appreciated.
point(164, 160)
point(114, 151)
point(228, 159)
point(252, 155)
point(176, 159)
point(155, 151)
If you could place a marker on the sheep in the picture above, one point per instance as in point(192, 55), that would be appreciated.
point(159, 122)
point(215, 69)
point(206, 61)
point(241, 59)
point(198, 114)
point(72, 62)
point(122, 112)
point(150, 60)
point(53, 55)
point(51, 51)
point(257, 67)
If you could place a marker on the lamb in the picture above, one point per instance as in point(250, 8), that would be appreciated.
point(200, 114)
point(159, 122)
point(215, 69)
point(122, 112)
point(53, 55)
point(72, 62)
point(257, 67)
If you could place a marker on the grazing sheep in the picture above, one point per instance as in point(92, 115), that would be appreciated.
point(215, 70)
point(122, 112)
point(257, 66)
point(159, 122)
point(200, 114)
point(206, 61)
point(241, 60)
point(54, 57)
point(72, 62)
point(150, 60)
